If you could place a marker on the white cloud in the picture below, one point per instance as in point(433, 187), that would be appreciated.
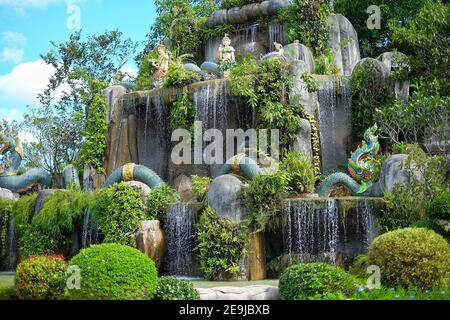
point(11, 114)
point(12, 38)
point(25, 82)
point(129, 71)
point(11, 55)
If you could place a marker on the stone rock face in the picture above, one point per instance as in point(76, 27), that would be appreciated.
point(112, 94)
point(223, 196)
point(344, 43)
point(8, 194)
point(298, 51)
point(151, 241)
point(243, 293)
point(246, 14)
point(44, 194)
point(143, 189)
point(392, 173)
point(303, 142)
point(183, 184)
point(395, 61)
point(378, 68)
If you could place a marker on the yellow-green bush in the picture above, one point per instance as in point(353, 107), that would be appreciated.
point(415, 257)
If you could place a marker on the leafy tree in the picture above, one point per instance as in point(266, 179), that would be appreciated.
point(426, 39)
point(376, 41)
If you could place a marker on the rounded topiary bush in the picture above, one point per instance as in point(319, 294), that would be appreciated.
point(41, 277)
point(114, 272)
point(171, 288)
point(415, 257)
point(316, 281)
point(440, 207)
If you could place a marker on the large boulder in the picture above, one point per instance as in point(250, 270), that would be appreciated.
point(143, 189)
point(183, 184)
point(397, 62)
point(393, 173)
point(8, 194)
point(298, 51)
point(303, 142)
point(380, 71)
point(223, 196)
point(344, 43)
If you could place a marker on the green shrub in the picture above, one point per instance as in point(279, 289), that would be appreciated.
point(359, 266)
point(440, 206)
point(264, 199)
point(299, 171)
point(221, 245)
point(170, 288)
point(412, 257)
point(201, 186)
point(178, 76)
point(182, 113)
point(159, 200)
point(316, 281)
point(41, 277)
point(6, 207)
point(92, 150)
point(402, 294)
point(7, 293)
point(49, 231)
point(408, 203)
point(118, 211)
point(114, 272)
point(431, 225)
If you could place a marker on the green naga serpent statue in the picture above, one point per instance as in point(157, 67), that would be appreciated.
point(11, 151)
point(364, 168)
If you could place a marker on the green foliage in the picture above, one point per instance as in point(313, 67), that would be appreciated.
point(114, 272)
point(94, 145)
point(221, 245)
point(50, 230)
point(412, 257)
point(41, 277)
point(217, 31)
point(159, 200)
point(310, 84)
point(408, 203)
point(370, 92)
point(403, 294)
point(440, 206)
point(425, 38)
point(7, 293)
point(423, 118)
point(264, 199)
point(227, 4)
point(144, 78)
point(201, 186)
point(431, 225)
point(374, 42)
point(170, 288)
point(265, 86)
point(359, 266)
point(178, 75)
point(326, 64)
point(118, 211)
point(307, 21)
point(6, 207)
point(316, 281)
point(182, 113)
point(299, 171)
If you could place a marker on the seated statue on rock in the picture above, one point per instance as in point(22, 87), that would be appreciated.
point(161, 65)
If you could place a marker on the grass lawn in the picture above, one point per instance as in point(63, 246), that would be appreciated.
point(6, 280)
point(211, 284)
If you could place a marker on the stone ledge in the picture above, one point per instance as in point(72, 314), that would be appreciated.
point(257, 292)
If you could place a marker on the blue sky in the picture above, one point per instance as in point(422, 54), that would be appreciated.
point(28, 26)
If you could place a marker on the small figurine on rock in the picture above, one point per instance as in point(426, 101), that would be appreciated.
point(162, 65)
point(226, 56)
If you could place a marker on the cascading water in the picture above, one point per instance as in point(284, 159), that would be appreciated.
point(12, 259)
point(277, 34)
point(211, 103)
point(180, 230)
point(328, 229)
point(310, 231)
point(335, 103)
point(90, 232)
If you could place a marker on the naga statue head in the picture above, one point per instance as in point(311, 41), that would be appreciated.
point(11, 155)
